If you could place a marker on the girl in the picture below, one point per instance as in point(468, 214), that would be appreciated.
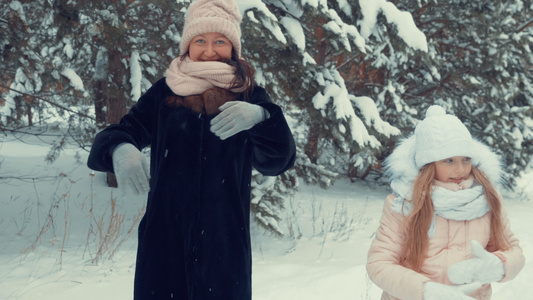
point(443, 233)
point(207, 126)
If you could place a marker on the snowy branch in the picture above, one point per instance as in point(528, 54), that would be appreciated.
point(49, 102)
point(525, 25)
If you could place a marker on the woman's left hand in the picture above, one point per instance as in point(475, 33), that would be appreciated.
point(235, 117)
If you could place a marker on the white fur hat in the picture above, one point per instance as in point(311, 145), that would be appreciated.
point(441, 136)
point(222, 16)
point(437, 137)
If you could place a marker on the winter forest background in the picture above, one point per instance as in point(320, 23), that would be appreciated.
point(353, 77)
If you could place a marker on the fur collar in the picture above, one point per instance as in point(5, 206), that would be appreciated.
point(206, 103)
point(401, 169)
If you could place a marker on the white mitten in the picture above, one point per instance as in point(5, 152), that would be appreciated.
point(235, 117)
point(439, 291)
point(131, 168)
point(485, 267)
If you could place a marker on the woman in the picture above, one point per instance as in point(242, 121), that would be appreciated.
point(207, 126)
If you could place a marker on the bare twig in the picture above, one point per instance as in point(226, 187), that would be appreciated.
point(525, 25)
point(49, 102)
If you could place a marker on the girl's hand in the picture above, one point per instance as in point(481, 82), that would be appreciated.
point(439, 291)
point(485, 267)
point(235, 117)
point(131, 168)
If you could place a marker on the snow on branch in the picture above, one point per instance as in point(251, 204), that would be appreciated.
point(295, 30)
point(368, 108)
point(273, 27)
point(245, 5)
point(14, 91)
point(270, 21)
point(403, 20)
point(16, 6)
point(336, 92)
point(136, 75)
point(67, 50)
point(346, 8)
point(345, 31)
point(75, 80)
point(525, 25)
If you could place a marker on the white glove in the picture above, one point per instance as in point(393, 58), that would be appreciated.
point(485, 267)
point(439, 291)
point(131, 168)
point(235, 117)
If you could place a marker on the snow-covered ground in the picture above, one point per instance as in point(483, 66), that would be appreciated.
point(58, 228)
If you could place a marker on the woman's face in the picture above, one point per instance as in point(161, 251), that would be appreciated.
point(454, 169)
point(210, 46)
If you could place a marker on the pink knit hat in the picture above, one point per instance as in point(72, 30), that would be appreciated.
point(222, 16)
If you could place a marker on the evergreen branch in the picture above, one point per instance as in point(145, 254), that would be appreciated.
point(20, 130)
point(49, 102)
point(525, 25)
point(348, 62)
point(459, 47)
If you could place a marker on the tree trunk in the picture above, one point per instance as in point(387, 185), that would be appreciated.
point(311, 148)
point(109, 106)
point(29, 112)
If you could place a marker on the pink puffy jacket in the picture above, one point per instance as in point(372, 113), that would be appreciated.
point(450, 244)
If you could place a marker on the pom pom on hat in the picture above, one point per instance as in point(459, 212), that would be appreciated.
point(222, 16)
point(434, 111)
point(440, 136)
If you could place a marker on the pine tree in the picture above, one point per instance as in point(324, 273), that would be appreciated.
point(304, 53)
point(480, 71)
point(84, 61)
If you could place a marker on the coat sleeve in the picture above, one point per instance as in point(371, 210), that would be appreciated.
point(513, 258)
point(134, 128)
point(383, 263)
point(274, 147)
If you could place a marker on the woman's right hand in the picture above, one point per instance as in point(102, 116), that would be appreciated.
point(439, 291)
point(131, 168)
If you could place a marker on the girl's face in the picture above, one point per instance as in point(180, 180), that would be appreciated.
point(454, 169)
point(210, 46)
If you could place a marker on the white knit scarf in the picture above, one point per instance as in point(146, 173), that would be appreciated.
point(450, 201)
point(186, 77)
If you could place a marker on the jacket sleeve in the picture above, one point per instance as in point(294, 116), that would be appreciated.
point(513, 258)
point(274, 147)
point(134, 128)
point(383, 263)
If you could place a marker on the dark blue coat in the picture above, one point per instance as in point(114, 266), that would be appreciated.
point(194, 239)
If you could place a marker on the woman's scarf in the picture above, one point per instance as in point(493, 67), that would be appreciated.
point(460, 202)
point(186, 77)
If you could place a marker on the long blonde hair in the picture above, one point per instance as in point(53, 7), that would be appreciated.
point(418, 221)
